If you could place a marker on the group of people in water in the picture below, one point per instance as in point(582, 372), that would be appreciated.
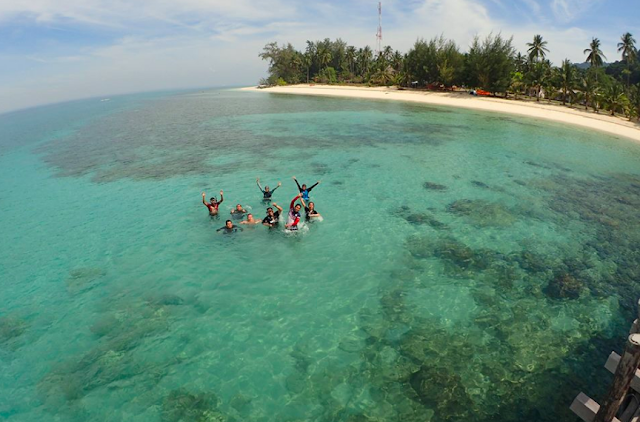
point(272, 219)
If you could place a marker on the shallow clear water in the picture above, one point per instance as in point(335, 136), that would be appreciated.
point(469, 266)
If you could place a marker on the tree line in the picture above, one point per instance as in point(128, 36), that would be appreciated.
point(491, 64)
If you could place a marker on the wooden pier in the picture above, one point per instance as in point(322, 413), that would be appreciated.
point(618, 401)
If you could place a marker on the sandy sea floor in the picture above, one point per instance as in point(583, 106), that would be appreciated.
point(572, 116)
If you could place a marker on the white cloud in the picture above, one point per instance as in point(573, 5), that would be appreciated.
point(570, 10)
point(165, 44)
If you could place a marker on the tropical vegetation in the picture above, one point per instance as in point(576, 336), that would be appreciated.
point(491, 64)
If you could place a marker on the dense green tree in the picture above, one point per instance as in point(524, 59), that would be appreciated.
point(437, 61)
point(491, 62)
point(283, 62)
point(634, 102)
point(421, 61)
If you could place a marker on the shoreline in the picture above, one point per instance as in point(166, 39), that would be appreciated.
point(558, 113)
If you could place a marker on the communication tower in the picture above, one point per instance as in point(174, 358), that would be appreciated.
point(379, 33)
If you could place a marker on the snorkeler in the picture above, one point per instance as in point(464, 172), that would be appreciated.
point(294, 214)
point(213, 205)
point(304, 191)
point(310, 211)
point(266, 192)
point(273, 218)
point(250, 220)
point(238, 212)
point(229, 227)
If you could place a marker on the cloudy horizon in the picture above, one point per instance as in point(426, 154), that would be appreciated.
point(90, 48)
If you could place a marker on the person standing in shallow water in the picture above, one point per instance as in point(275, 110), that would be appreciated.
point(266, 192)
point(229, 227)
point(238, 212)
point(213, 205)
point(294, 214)
point(310, 211)
point(250, 220)
point(304, 191)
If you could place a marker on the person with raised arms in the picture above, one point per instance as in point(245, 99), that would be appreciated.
point(304, 191)
point(273, 218)
point(310, 210)
point(294, 214)
point(266, 192)
point(213, 205)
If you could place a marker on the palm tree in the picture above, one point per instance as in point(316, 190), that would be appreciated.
point(537, 48)
point(324, 58)
point(567, 79)
point(384, 76)
point(614, 97)
point(297, 63)
point(307, 61)
point(517, 82)
point(521, 63)
point(397, 60)
point(387, 53)
point(365, 60)
point(627, 47)
point(589, 92)
point(351, 57)
point(595, 54)
point(538, 75)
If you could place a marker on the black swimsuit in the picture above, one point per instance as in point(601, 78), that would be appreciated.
point(310, 213)
point(267, 195)
point(272, 220)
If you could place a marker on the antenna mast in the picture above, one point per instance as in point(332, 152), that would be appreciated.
point(379, 33)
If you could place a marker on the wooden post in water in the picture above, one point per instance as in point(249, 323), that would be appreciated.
point(625, 373)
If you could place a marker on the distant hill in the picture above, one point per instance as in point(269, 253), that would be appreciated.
point(586, 65)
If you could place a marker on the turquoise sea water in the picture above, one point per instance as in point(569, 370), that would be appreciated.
point(470, 266)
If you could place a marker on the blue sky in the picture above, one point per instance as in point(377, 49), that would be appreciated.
point(57, 50)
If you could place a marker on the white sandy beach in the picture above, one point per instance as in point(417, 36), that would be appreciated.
point(574, 116)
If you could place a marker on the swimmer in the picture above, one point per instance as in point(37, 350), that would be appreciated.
point(266, 192)
point(229, 227)
point(238, 212)
point(213, 205)
point(294, 214)
point(310, 211)
point(304, 191)
point(273, 218)
point(250, 220)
